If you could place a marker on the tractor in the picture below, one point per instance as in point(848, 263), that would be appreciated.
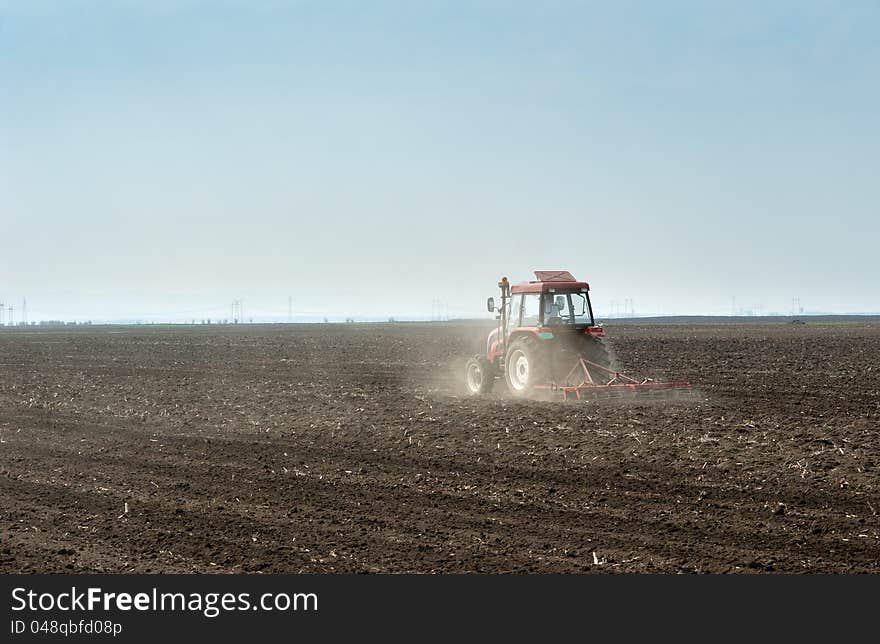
point(547, 340)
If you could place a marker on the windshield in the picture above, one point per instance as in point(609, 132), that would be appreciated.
point(571, 307)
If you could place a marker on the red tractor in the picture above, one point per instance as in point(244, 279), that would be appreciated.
point(548, 340)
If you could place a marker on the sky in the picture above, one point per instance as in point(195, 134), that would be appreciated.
point(160, 159)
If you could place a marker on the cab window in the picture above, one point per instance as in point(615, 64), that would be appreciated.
point(531, 312)
point(557, 309)
point(513, 312)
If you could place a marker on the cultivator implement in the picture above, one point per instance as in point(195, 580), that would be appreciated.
point(613, 384)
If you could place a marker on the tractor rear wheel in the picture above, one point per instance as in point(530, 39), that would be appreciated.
point(479, 375)
point(524, 367)
point(595, 350)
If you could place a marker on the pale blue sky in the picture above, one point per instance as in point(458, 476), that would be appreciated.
point(367, 158)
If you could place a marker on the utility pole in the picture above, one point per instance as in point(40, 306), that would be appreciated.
point(24, 311)
point(237, 311)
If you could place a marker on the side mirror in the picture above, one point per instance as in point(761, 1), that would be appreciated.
point(490, 304)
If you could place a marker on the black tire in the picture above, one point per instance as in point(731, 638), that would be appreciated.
point(595, 350)
point(524, 367)
point(479, 376)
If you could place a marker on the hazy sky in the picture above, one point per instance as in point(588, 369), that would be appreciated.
point(159, 157)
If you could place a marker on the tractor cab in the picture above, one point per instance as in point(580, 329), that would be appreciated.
point(555, 302)
point(553, 306)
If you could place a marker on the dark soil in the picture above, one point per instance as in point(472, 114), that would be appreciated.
point(349, 448)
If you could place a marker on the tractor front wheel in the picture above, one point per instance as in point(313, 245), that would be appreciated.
point(479, 376)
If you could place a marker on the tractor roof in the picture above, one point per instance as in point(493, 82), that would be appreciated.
point(547, 280)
